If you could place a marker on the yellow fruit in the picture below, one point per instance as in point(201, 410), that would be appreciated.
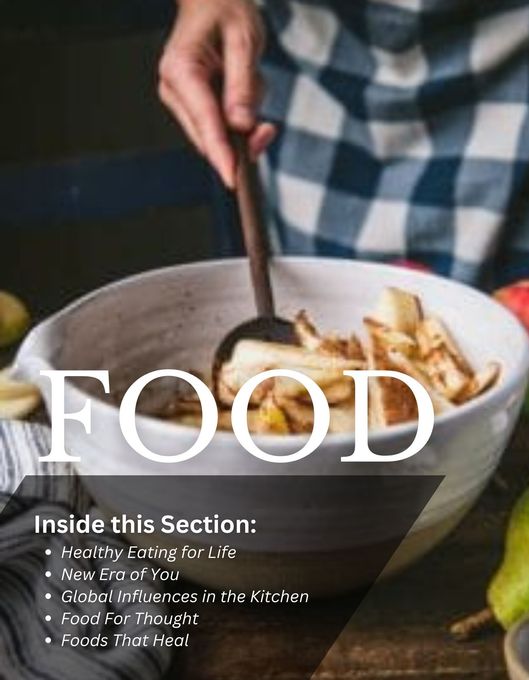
point(14, 319)
point(17, 399)
point(508, 592)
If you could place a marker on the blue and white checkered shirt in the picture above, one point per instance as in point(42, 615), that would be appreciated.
point(404, 132)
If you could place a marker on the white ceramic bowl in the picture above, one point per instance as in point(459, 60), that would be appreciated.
point(174, 318)
point(516, 649)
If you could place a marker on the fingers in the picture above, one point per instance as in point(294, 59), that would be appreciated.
point(219, 40)
point(260, 139)
point(186, 89)
point(201, 105)
point(170, 99)
point(242, 83)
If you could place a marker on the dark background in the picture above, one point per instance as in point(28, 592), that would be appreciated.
point(78, 83)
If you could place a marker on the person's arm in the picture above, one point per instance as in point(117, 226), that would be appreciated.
point(216, 41)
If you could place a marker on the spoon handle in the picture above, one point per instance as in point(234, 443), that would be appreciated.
point(253, 228)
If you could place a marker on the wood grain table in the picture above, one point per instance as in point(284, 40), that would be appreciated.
point(400, 629)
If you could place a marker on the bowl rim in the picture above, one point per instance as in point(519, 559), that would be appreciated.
point(159, 426)
point(511, 651)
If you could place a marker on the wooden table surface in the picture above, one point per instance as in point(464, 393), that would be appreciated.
point(400, 629)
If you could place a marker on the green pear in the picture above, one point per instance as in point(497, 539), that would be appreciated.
point(508, 592)
point(14, 319)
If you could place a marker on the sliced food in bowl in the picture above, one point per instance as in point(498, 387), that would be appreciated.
point(397, 336)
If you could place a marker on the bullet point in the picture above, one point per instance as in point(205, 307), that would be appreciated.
point(47, 551)
point(47, 574)
point(48, 641)
point(47, 617)
point(48, 596)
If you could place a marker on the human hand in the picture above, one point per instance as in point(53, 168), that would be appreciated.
point(216, 42)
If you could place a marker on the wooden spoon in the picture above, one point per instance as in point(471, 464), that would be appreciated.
point(266, 326)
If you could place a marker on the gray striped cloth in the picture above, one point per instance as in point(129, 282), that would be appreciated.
point(26, 652)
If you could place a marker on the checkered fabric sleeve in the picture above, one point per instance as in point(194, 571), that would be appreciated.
point(404, 132)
